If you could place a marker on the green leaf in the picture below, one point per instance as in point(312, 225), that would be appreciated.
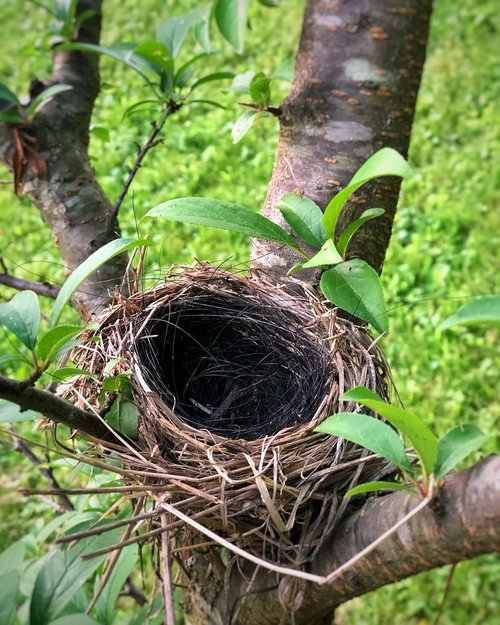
point(327, 256)
point(74, 619)
point(10, 118)
point(123, 417)
point(50, 343)
point(155, 56)
point(9, 588)
point(353, 227)
point(305, 217)
point(370, 433)
point(12, 413)
point(231, 19)
point(456, 445)
point(211, 78)
point(65, 373)
point(120, 52)
point(105, 605)
point(484, 310)
point(385, 162)
point(219, 214)
point(12, 558)
point(91, 264)
point(45, 96)
point(6, 95)
point(412, 427)
point(284, 71)
point(22, 317)
point(243, 124)
point(371, 487)
point(209, 102)
point(201, 28)
point(269, 3)
point(101, 133)
point(260, 90)
point(241, 82)
point(355, 287)
point(63, 574)
point(173, 32)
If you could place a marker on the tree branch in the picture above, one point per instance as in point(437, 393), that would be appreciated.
point(461, 523)
point(69, 197)
point(41, 288)
point(52, 407)
point(356, 81)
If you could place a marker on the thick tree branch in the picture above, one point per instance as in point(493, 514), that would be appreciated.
point(41, 288)
point(52, 407)
point(69, 197)
point(356, 81)
point(462, 522)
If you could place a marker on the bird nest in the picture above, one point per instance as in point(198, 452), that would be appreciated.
point(230, 377)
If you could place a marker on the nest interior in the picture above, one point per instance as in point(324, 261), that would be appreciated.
point(230, 376)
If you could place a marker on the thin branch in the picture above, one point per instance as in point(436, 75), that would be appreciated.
point(41, 288)
point(52, 407)
point(151, 142)
point(23, 448)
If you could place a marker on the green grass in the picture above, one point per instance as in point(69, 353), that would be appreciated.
point(445, 246)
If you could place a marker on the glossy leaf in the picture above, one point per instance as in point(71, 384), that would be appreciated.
point(122, 53)
point(65, 373)
point(241, 82)
point(75, 619)
point(355, 287)
point(10, 118)
point(201, 28)
point(370, 433)
point(284, 71)
point(6, 95)
point(173, 32)
point(455, 446)
point(219, 214)
point(63, 574)
point(372, 487)
point(155, 56)
point(12, 413)
point(260, 90)
point(385, 162)
point(88, 267)
point(327, 256)
point(412, 427)
point(211, 78)
point(11, 560)
point(9, 588)
point(21, 316)
point(50, 343)
point(353, 227)
point(45, 96)
point(305, 217)
point(243, 124)
point(484, 310)
point(105, 606)
point(231, 19)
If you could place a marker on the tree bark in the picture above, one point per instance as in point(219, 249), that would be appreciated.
point(462, 522)
point(76, 209)
point(357, 75)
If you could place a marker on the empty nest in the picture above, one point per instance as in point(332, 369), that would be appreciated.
point(230, 376)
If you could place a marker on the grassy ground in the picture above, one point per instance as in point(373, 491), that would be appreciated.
point(445, 245)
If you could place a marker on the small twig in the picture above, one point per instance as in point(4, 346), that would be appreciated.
point(22, 447)
point(41, 288)
point(446, 593)
point(263, 108)
point(168, 597)
point(151, 142)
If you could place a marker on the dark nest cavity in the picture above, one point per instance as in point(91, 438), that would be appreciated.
point(236, 367)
